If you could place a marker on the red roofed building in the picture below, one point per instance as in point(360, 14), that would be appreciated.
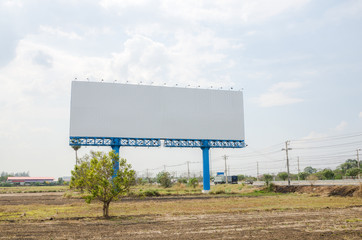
point(29, 179)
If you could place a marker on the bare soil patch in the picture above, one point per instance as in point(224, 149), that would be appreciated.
point(290, 216)
point(306, 224)
point(35, 198)
point(343, 191)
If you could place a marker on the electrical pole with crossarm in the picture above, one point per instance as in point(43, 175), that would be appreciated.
point(226, 172)
point(286, 149)
point(358, 165)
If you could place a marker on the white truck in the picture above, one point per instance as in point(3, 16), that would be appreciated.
point(221, 179)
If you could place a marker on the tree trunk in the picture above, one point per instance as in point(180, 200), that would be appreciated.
point(106, 209)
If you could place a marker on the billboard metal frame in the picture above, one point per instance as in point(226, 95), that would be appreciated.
point(112, 141)
point(154, 142)
point(205, 146)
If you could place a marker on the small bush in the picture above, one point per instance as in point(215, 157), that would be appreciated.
point(193, 182)
point(219, 191)
point(151, 193)
point(182, 180)
point(312, 179)
point(68, 195)
point(164, 179)
point(267, 178)
point(270, 187)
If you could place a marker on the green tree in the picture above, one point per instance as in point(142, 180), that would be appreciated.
point(193, 182)
point(320, 175)
point(283, 175)
point(338, 174)
point(164, 179)
point(97, 179)
point(328, 174)
point(79, 175)
point(353, 172)
point(303, 175)
point(60, 181)
point(350, 163)
point(241, 177)
point(267, 179)
point(310, 170)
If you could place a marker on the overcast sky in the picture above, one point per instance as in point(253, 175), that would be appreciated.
point(299, 63)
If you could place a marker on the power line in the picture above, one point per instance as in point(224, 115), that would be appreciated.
point(328, 146)
point(329, 138)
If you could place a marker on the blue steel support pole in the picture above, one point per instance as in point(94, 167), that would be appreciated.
point(206, 169)
point(115, 148)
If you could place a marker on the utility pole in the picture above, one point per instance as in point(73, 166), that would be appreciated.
point(298, 169)
point(286, 149)
point(226, 172)
point(164, 168)
point(257, 171)
point(188, 170)
point(359, 175)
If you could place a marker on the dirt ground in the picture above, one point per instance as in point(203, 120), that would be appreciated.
point(344, 191)
point(322, 223)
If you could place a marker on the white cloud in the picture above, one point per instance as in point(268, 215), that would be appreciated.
point(341, 126)
point(58, 32)
point(185, 62)
point(231, 11)
point(360, 115)
point(278, 95)
point(12, 3)
point(313, 135)
point(121, 5)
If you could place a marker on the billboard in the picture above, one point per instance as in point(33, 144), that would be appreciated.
point(139, 111)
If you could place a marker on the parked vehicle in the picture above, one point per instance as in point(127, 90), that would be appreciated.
point(249, 181)
point(220, 179)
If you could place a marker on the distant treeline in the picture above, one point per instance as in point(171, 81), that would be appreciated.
point(348, 169)
point(4, 175)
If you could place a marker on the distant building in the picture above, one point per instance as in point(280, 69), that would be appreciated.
point(23, 180)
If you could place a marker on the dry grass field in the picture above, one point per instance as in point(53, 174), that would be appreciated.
point(234, 213)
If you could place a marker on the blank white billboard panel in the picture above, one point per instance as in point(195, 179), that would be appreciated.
point(137, 111)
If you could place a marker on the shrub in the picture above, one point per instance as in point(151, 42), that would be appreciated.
point(267, 178)
point(182, 180)
point(193, 182)
point(219, 191)
point(164, 179)
point(270, 187)
point(151, 193)
point(312, 179)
